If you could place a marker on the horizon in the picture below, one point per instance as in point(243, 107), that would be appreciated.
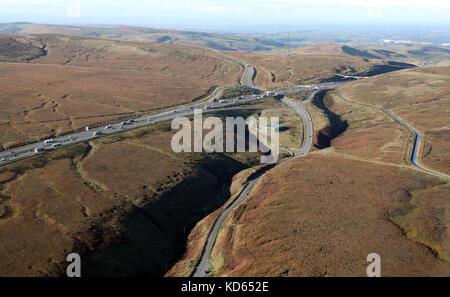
point(233, 16)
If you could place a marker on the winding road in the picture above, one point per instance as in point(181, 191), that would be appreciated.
point(249, 74)
point(417, 139)
point(204, 266)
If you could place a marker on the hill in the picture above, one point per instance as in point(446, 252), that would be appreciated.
point(210, 40)
point(124, 202)
point(55, 84)
point(313, 64)
point(356, 193)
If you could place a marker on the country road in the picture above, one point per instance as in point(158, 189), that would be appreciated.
point(204, 266)
point(417, 139)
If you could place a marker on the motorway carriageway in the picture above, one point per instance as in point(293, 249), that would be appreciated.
point(19, 153)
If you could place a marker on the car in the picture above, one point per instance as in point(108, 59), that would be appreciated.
point(97, 133)
point(49, 141)
point(207, 270)
point(131, 121)
point(3, 160)
point(56, 144)
point(150, 120)
point(108, 127)
point(124, 123)
point(174, 111)
point(39, 149)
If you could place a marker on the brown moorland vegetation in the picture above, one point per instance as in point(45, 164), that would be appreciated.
point(80, 81)
point(322, 216)
point(311, 64)
point(358, 131)
point(125, 202)
point(420, 97)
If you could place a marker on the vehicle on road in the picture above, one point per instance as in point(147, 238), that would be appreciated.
point(39, 149)
point(208, 270)
point(124, 123)
point(3, 160)
point(98, 133)
point(108, 127)
point(57, 144)
point(48, 141)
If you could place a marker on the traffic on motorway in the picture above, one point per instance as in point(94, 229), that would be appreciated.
point(51, 144)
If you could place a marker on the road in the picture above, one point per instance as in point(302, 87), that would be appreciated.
point(417, 139)
point(216, 95)
point(415, 150)
point(15, 154)
point(249, 74)
point(204, 265)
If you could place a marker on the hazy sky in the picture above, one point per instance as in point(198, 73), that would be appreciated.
point(184, 12)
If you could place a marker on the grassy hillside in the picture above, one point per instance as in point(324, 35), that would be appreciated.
point(420, 97)
point(210, 40)
point(312, 64)
point(322, 216)
point(354, 194)
point(59, 83)
point(125, 202)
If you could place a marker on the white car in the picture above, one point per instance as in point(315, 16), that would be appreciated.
point(108, 127)
point(97, 133)
point(49, 141)
point(3, 160)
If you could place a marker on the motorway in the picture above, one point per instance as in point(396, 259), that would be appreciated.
point(249, 73)
point(19, 153)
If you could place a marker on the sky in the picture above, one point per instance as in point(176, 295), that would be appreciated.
point(185, 13)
